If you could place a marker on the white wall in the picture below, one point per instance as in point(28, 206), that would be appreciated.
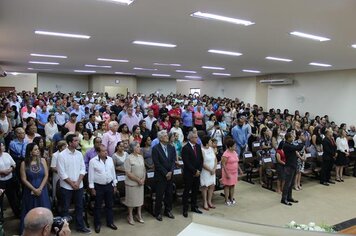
point(320, 93)
point(184, 86)
point(62, 82)
point(23, 81)
point(164, 86)
point(97, 83)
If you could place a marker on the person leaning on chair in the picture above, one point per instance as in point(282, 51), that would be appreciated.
point(164, 157)
point(193, 163)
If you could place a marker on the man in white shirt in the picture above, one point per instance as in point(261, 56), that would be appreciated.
point(102, 184)
point(149, 119)
point(71, 170)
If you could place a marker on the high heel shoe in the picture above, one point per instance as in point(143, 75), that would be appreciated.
point(130, 221)
point(206, 208)
point(211, 206)
point(139, 220)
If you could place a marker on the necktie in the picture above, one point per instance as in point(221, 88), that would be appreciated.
point(195, 150)
point(165, 150)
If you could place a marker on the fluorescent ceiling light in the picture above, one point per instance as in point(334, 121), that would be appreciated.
point(236, 54)
point(186, 71)
point(113, 60)
point(123, 73)
point(30, 68)
point(85, 71)
point(252, 71)
point(210, 16)
point(319, 64)
point(166, 45)
point(309, 36)
point(161, 75)
point(222, 74)
point(47, 55)
point(44, 62)
point(124, 2)
point(354, 45)
point(14, 73)
point(163, 64)
point(182, 80)
point(97, 66)
point(79, 36)
point(139, 68)
point(192, 77)
point(278, 59)
point(213, 68)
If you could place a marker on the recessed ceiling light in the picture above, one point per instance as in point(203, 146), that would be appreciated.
point(79, 36)
point(163, 64)
point(186, 71)
point(85, 71)
point(123, 73)
point(319, 64)
point(139, 68)
point(124, 2)
point(192, 77)
point(354, 45)
point(252, 71)
point(222, 74)
point(47, 55)
point(236, 54)
point(213, 68)
point(161, 75)
point(278, 59)
point(210, 16)
point(309, 36)
point(44, 62)
point(97, 66)
point(113, 60)
point(166, 45)
point(30, 68)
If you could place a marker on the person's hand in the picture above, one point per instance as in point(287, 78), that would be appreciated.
point(347, 154)
point(197, 173)
point(75, 185)
point(212, 172)
point(115, 189)
point(142, 181)
point(65, 231)
point(92, 192)
point(37, 192)
point(228, 176)
point(169, 175)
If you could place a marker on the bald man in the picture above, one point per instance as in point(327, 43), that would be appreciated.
point(38, 222)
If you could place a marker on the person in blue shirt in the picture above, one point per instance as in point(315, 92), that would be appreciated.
point(187, 120)
point(240, 136)
point(42, 118)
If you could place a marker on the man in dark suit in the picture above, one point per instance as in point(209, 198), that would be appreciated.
point(193, 162)
point(290, 167)
point(163, 156)
point(329, 155)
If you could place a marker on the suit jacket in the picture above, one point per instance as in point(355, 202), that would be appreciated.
point(191, 162)
point(329, 149)
point(162, 163)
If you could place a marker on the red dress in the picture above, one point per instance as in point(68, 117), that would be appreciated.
point(231, 166)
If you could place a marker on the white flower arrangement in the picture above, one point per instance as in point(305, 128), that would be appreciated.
point(311, 227)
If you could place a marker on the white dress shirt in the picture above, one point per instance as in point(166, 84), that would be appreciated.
point(6, 162)
point(342, 145)
point(101, 172)
point(70, 165)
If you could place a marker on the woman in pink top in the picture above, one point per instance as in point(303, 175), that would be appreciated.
point(198, 118)
point(230, 167)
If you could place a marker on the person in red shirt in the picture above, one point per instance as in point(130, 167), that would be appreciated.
point(219, 113)
point(281, 161)
point(175, 113)
point(155, 109)
point(165, 123)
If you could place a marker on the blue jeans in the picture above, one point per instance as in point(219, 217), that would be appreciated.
point(66, 196)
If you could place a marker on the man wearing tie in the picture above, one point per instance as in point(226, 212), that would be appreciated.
point(329, 156)
point(163, 156)
point(102, 184)
point(193, 163)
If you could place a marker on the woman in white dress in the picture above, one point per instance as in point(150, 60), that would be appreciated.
point(207, 176)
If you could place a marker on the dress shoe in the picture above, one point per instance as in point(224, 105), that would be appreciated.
point(286, 203)
point(331, 182)
point(159, 217)
point(130, 221)
point(293, 200)
point(84, 230)
point(112, 226)
point(169, 214)
point(185, 214)
point(97, 229)
point(324, 183)
point(196, 210)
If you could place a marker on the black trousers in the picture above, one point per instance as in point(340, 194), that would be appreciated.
point(104, 193)
point(289, 173)
point(17, 177)
point(10, 191)
point(191, 184)
point(164, 192)
point(326, 168)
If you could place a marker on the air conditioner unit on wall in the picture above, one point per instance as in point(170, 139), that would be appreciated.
point(277, 79)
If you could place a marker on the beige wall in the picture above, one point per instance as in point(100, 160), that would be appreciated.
point(62, 82)
point(23, 81)
point(151, 85)
point(184, 86)
point(97, 83)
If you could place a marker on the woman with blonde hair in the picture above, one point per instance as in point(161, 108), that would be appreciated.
point(343, 152)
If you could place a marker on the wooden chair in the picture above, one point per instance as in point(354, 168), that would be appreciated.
point(249, 167)
point(150, 193)
point(270, 172)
